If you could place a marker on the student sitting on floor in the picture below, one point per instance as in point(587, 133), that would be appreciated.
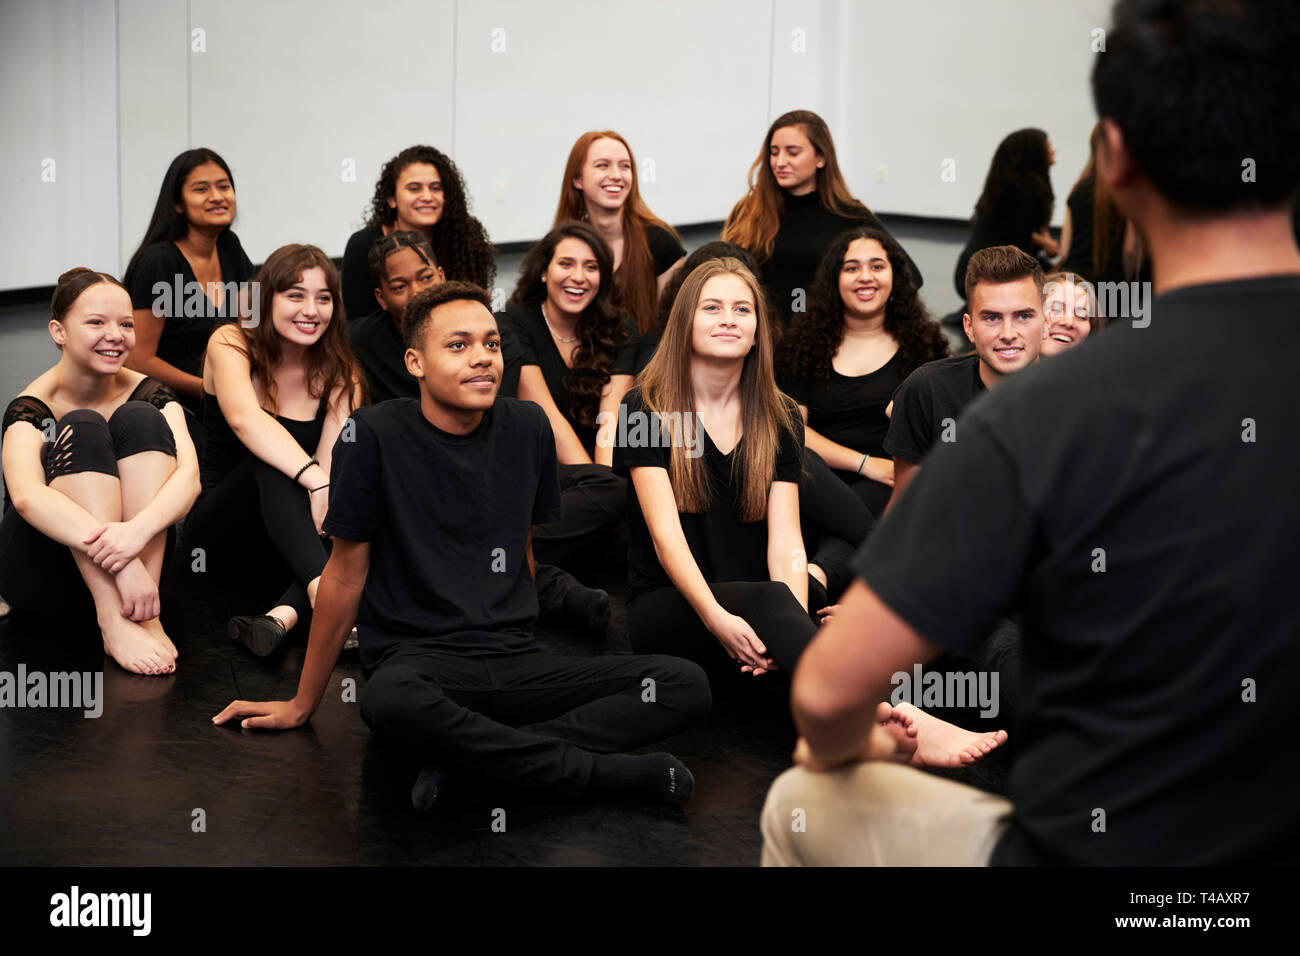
point(275, 397)
point(1160, 634)
point(98, 466)
point(1004, 287)
point(431, 513)
point(716, 566)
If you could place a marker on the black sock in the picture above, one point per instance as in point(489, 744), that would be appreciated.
point(590, 607)
point(428, 786)
point(660, 775)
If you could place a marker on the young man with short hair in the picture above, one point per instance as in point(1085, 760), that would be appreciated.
point(431, 508)
point(1160, 634)
point(1004, 287)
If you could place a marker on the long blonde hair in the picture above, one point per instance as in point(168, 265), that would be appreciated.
point(756, 219)
point(766, 414)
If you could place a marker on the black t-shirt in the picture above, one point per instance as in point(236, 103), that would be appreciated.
point(536, 346)
point(664, 248)
point(358, 284)
point(1079, 259)
point(647, 346)
point(448, 518)
point(850, 409)
point(382, 354)
point(1159, 690)
point(1015, 227)
point(935, 392)
point(185, 335)
point(724, 547)
point(807, 228)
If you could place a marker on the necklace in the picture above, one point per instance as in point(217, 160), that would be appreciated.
point(558, 336)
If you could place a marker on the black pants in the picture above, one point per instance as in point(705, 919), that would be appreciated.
point(532, 719)
point(594, 501)
point(258, 537)
point(38, 575)
point(835, 522)
point(662, 622)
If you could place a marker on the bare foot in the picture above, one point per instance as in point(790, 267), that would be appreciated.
point(155, 629)
point(932, 742)
point(136, 649)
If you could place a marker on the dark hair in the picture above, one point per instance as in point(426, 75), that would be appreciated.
point(416, 317)
point(600, 327)
point(330, 362)
point(1199, 86)
point(459, 240)
point(167, 222)
point(385, 246)
point(71, 284)
point(816, 335)
point(998, 264)
point(1017, 187)
point(717, 249)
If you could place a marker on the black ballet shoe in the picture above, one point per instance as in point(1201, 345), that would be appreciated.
point(590, 607)
point(428, 787)
point(262, 634)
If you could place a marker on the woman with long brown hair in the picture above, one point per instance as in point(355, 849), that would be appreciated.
point(717, 571)
point(797, 203)
point(1093, 234)
point(600, 187)
point(275, 399)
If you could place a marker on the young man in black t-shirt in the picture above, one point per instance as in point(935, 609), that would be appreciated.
point(1004, 287)
point(1160, 635)
point(431, 508)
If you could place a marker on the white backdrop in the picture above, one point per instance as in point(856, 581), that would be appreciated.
point(306, 99)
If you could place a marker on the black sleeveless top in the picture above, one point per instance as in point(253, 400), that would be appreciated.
point(30, 409)
point(223, 451)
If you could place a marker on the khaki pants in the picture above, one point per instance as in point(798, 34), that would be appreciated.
point(879, 813)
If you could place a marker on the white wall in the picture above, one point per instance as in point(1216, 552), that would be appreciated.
point(298, 94)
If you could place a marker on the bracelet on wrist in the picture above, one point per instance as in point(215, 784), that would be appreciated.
point(863, 463)
point(321, 488)
point(304, 468)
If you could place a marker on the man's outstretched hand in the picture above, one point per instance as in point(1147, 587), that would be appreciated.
point(265, 714)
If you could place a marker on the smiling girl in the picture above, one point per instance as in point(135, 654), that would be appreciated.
point(600, 187)
point(422, 190)
point(717, 571)
point(275, 398)
point(98, 466)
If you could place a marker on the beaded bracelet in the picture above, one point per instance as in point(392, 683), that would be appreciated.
point(304, 468)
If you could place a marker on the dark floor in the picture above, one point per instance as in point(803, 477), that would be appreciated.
point(133, 786)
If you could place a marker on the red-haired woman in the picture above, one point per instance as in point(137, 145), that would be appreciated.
point(275, 399)
point(600, 187)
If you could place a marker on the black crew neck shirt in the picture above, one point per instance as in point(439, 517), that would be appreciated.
point(928, 398)
point(724, 547)
point(1159, 690)
point(448, 518)
point(536, 346)
point(850, 409)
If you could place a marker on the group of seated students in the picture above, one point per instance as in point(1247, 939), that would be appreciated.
point(422, 478)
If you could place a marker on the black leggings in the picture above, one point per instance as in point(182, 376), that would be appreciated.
point(662, 622)
point(35, 570)
point(594, 501)
point(258, 537)
point(834, 520)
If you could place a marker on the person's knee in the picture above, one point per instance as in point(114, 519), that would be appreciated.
point(82, 442)
point(137, 427)
point(389, 696)
point(679, 684)
point(785, 818)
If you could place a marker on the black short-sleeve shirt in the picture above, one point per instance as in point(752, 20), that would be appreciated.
point(1136, 499)
point(448, 518)
point(357, 282)
point(928, 400)
point(164, 282)
point(724, 547)
point(536, 346)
